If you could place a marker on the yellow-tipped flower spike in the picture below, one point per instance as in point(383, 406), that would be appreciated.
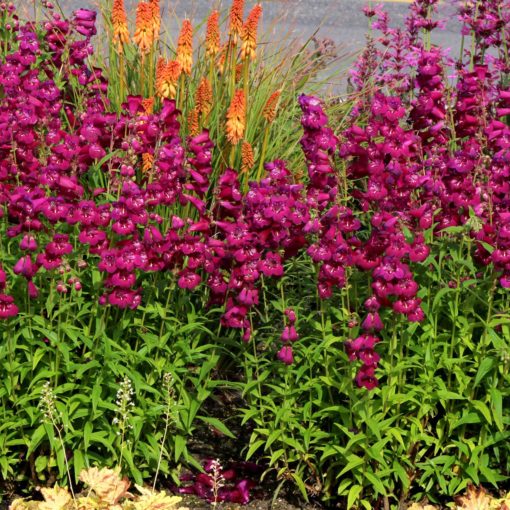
point(160, 73)
point(145, 29)
point(204, 97)
point(148, 105)
point(147, 162)
point(185, 47)
point(212, 35)
point(269, 111)
point(249, 33)
point(239, 72)
point(222, 57)
point(156, 18)
point(193, 124)
point(247, 157)
point(236, 19)
point(167, 75)
point(119, 24)
point(236, 118)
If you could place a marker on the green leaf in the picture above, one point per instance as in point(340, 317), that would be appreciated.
point(484, 410)
point(180, 446)
point(491, 475)
point(353, 495)
point(254, 447)
point(87, 434)
point(468, 418)
point(79, 463)
point(275, 456)
point(376, 483)
point(485, 367)
point(353, 462)
point(217, 424)
point(272, 438)
point(497, 408)
point(39, 434)
point(301, 485)
point(472, 472)
point(449, 395)
point(38, 355)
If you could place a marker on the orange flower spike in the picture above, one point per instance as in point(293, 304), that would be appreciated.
point(147, 162)
point(193, 124)
point(236, 118)
point(170, 76)
point(148, 105)
point(212, 35)
point(119, 24)
point(204, 97)
point(156, 18)
point(160, 74)
point(247, 157)
point(222, 57)
point(144, 31)
point(173, 71)
point(236, 19)
point(239, 72)
point(185, 47)
point(269, 111)
point(249, 33)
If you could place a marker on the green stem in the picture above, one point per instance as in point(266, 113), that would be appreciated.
point(263, 152)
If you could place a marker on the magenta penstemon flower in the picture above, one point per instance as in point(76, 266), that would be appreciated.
point(28, 243)
point(286, 355)
point(7, 307)
point(188, 280)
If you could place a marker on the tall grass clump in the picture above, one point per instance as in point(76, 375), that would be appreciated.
point(211, 68)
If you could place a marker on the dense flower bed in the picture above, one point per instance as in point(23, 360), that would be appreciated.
point(106, 207)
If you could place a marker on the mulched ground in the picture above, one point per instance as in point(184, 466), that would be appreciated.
point(194, 503)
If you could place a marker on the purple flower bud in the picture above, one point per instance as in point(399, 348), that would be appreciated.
point(25, 267)
point(28, 243)
point(291, 315)
point(289, 334)
point(365, 378)
point(7, 307)
point(372, 322)
point(33, 291)
point(286, 355)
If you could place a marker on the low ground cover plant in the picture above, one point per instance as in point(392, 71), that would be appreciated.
point(337, 312)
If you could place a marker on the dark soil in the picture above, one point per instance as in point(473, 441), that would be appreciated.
point(194, 503)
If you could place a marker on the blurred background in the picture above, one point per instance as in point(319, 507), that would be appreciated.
point(337, 26)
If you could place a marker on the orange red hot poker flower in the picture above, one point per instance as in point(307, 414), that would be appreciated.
point(147, 162)
point(119, 24)
point(247, 157)
point(148, 105)
point(193, 122)
point(204, 97)
point(212, 35)
point(236, 19)
point(249, 33)
point(269, 111)
point(236, 118)
point(156, 17)
point(185, 47)
point(148, 21)
point(167, 75)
